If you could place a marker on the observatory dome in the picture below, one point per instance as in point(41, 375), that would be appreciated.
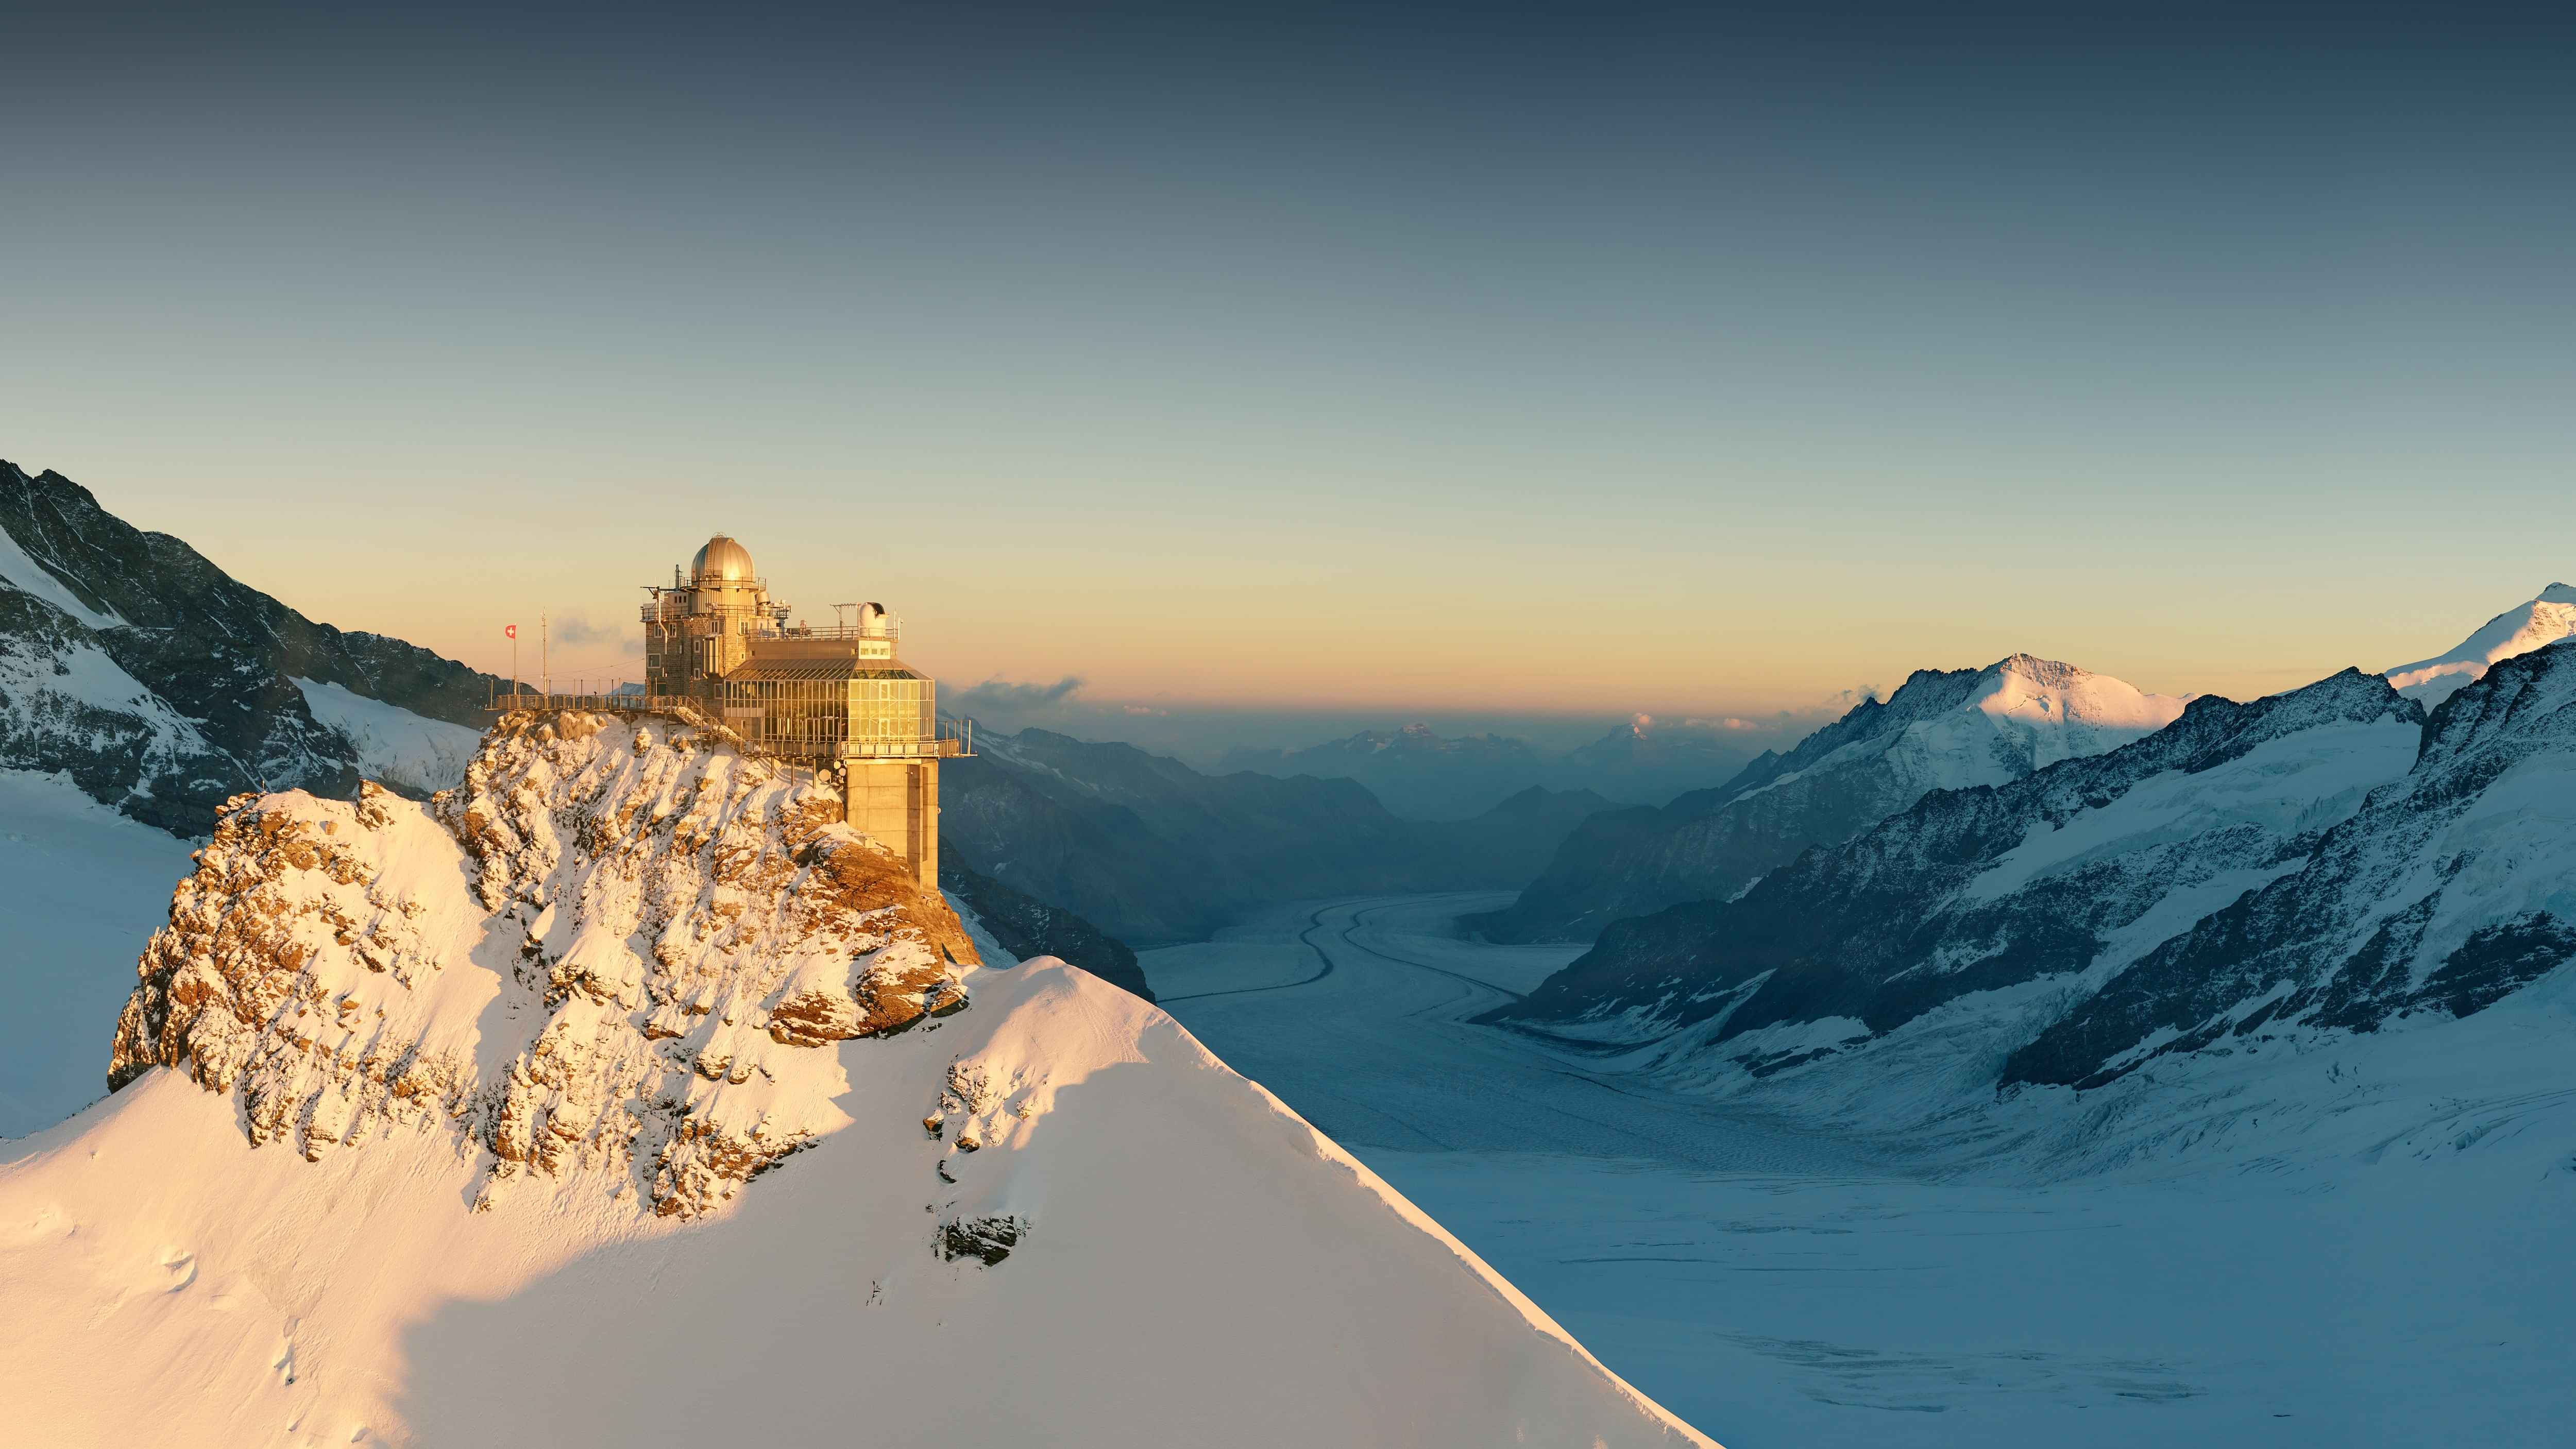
point(722, 560)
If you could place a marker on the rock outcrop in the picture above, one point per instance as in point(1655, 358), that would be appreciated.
point(671, 929)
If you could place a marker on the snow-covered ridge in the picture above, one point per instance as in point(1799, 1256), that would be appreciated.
point(2519, 630)
point(2021, 714)
point(436, 1124)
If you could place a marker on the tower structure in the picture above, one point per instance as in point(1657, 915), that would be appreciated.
point(836, 696)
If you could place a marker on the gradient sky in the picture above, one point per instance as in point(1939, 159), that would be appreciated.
point(1349, 362)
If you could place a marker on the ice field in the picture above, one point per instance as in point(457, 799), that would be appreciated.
point(1776, 1287)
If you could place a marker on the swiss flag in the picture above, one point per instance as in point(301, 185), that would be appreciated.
point(509, 631)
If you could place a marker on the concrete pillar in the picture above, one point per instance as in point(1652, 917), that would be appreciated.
point(896, 804)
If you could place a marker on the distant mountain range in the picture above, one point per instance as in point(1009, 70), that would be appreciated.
point(1944, 729)
point(1418, 772)
point(1157, 852)
point(2261, 879)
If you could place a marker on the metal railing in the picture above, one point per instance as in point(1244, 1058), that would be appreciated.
point(948, 741)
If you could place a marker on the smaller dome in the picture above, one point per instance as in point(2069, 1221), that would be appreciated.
point(721, 561)
point(872, 619)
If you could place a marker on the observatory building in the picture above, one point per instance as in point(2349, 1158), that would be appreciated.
point(834, 696)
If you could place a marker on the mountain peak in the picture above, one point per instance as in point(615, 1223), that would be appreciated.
point(2051, 673)
point(2549, 617)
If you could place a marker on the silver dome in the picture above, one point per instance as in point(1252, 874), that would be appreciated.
point(722, 560)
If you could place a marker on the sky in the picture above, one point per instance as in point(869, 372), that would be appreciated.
point(1262, 371)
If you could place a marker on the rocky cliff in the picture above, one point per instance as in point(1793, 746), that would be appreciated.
point(162, 686)
point(666, 930)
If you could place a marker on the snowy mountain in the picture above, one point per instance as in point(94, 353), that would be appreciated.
point(2446, 891)
point(2260, 923)
point(620, 1096)
point(1943, 730)
point(1158, 852)
point(2542, 622)
point(160, 685)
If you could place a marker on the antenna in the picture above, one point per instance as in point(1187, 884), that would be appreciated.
point(836, 614)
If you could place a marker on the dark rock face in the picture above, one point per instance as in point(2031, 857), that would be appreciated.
point(1157, 852)
point(1708, 844)
point(2447, 891)
point(1974, 890)
point(1028, 928)
point(987, 1240)
point(177, 690)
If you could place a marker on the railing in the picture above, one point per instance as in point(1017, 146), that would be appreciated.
point(948, 741)
point(652, 614)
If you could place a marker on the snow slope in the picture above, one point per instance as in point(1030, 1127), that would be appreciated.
point(392, 744)
point(2543, 621)
point(441, 1124)
point(84, 889)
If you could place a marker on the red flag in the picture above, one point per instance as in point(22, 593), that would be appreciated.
point(510, 631)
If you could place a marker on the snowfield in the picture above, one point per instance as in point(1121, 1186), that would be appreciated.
point(394, 745)
point(621, 1098)
point(1200, 1267)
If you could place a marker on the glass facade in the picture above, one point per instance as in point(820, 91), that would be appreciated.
point(816, 707)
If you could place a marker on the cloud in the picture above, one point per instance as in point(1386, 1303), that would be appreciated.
point(1144, 709)
point(578, 630)
point(1002, 694)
